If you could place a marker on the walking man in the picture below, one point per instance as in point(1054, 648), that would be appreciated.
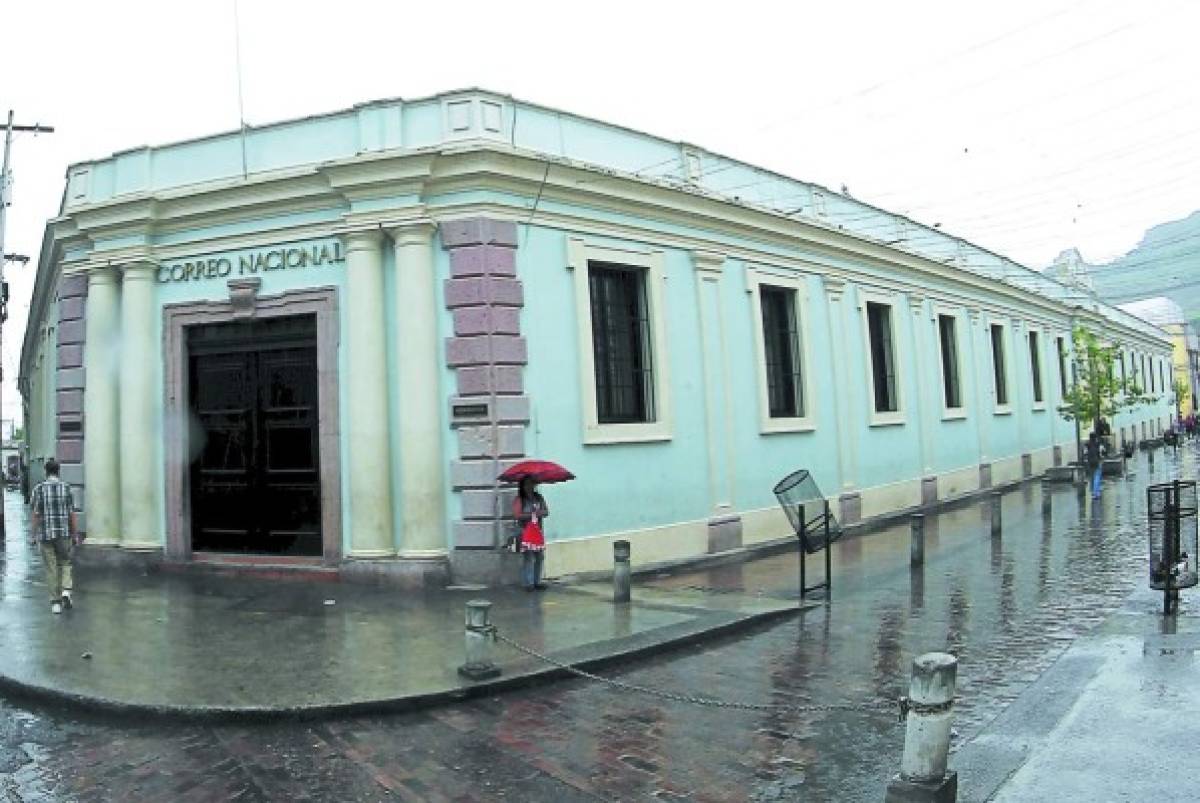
point(55, 527)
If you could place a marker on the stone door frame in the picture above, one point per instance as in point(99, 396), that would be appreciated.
point(321, 302)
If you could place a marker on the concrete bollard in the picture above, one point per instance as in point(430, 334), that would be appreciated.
point(996, 523)
point(479, 636)
point(917, 540)
point(923, 775)
point(621, 572)
point(1047, 499)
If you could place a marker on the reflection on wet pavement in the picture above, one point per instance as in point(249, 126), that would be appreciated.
point(1006, 608)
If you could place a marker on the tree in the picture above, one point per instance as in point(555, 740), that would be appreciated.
point(1097, 391)
point(1181, 396)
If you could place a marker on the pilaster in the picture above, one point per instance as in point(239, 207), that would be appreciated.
point(141, 524)
point(422, 488)
point(102, 482)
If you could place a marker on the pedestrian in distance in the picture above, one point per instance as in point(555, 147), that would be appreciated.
point(1094, 462)
point(56, 530)
point(530, 510)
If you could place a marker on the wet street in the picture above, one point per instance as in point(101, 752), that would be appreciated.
point(1007, 607)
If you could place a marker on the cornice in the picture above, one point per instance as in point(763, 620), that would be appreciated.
point(766, 236)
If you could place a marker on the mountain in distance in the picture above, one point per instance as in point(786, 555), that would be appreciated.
point(1165, 263)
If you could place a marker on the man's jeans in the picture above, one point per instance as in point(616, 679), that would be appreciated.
point(531, 567)
point(56, 557)
point(1096, 479)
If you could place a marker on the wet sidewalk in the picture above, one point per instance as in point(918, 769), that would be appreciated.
point(189, 644)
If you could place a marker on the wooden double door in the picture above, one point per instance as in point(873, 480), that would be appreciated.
point(256, 467)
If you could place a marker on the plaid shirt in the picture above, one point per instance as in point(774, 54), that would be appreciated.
point(53, 502)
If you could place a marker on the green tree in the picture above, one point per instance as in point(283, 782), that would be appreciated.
point(1097, 391)
point(1181, 395)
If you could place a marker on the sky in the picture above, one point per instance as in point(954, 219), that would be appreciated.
point(1027, 127)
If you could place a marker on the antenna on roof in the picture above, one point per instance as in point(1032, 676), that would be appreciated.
point(237, 46)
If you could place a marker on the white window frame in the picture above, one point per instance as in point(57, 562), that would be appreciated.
point(960, 412)
point(898, 416)
point(1032, 331)
point(755, 277)
point(579, 253)
point(1006, 343)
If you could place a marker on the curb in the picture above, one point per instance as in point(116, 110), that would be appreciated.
point(22, 690)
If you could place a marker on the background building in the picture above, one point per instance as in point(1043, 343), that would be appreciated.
point(1185, 346)
point(319, 342)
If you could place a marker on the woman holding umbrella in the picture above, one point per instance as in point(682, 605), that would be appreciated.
point(530, 510)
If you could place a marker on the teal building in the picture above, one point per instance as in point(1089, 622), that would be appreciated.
point(317, 343)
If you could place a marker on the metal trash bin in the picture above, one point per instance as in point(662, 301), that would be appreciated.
point(798, 492)
point(1173, 539)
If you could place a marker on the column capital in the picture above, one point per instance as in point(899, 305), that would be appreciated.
point(101, 275)
point(834, 287)
point(361, 239)
point(412, 233)
point(138, 270)
point(709, 265)
point(916, 302)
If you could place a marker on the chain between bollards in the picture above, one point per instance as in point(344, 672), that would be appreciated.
point(930, 709)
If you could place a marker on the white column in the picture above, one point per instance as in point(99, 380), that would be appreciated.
point(709, 268)
point(101, 360)
point(141, 526)
point(367, 416)
point(422, 486)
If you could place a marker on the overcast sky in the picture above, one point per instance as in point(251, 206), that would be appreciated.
point(1025, 126)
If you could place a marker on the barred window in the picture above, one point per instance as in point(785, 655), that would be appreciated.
point(781, 349)
point(883, 358)
point(951, 390)
point(621, 343)
point(1062, 366)
point(1035, 365)
point(999, 375)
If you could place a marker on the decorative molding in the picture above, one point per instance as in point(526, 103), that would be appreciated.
point(243, 294)
point(709, 265)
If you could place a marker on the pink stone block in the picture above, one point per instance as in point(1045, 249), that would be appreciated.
point(477, 473)
point(69, 451)
point(482, 320)
point(498, 379)
point(73, 286)
point(71, 309)
point(478, 441)
point(484, 350)
point(70, 332)
point(483, 260)
point(70, 356)
point(478, 231)
point(483, 290)
point(70, 401)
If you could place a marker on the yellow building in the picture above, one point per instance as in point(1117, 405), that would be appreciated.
point(1185, 345)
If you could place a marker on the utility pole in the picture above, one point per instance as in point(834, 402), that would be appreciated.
point(5, 201)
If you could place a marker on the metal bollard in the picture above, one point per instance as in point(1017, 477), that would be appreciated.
point(479, 636)
point(1047, 498)
point(996, 524)
point(621, 572)
point(930, 707)
point(917, 540)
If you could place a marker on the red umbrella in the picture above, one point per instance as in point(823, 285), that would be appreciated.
point(539, 470)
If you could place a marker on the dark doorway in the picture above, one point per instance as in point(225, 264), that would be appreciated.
point(255, 475)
